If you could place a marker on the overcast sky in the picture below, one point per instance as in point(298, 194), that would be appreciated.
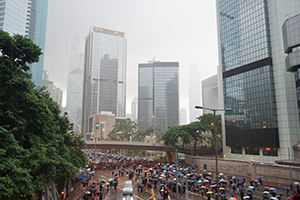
point(172, 30)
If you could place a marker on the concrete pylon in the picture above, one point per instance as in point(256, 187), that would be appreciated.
point(173, 157)
point(168, 156)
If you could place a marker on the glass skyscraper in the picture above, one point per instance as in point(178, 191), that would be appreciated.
point(255, 85)
point(13, 15)
point(27, 17)
point(36, 31)
point(158, 95)
point(104, 84)
point(75, 83)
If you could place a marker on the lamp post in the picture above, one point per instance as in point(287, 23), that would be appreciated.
point(215, 127)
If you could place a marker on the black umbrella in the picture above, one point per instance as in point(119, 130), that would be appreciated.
point(93, 186)
point(94, 189)
point(148, 183)
point(140, 184)
point(249, 193)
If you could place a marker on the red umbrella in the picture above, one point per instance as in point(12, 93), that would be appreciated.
point(116, 176)
point(231, 180)
point(207, 185)
point(288, 198)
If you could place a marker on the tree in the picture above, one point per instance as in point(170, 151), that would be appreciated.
point(177, 137)
point(35, 146)
point(124, 130)
point(140, 135)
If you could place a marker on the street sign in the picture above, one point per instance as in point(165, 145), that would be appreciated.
point(83, 176)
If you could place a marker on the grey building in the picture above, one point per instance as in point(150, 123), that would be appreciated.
point(158, 95)
point(291, 42)
point(183, 116)
point(194, 92)
point(134, 109)
point(210, 93)
point(104, 80)
point(75, 84)
point(262, 125)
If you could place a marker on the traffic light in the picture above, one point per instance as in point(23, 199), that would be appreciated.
point(62, 194)
point(97, 124)
point(212, 124)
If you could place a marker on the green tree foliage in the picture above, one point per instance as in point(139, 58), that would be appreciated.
point(140, 135)
point(35, 145)
point(125, 129)
point(176, 136)
point(197, 133)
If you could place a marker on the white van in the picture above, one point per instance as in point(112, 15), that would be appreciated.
point(128, 188)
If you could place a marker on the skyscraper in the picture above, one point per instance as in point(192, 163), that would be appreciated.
point(210, 93)
point(262, 125)
point(194, 92)
point(104, 80)
point(134, 109)
point(75, 82)
point(36, 30)
point(27, 17)
point(158, 95)
point(183, 116)
point(13, 15)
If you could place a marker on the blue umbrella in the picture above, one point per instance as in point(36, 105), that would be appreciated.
point(242, 189)
point(275, 191)
point(110, 179)
point(213, 186)
point(240, 179)
point(209, 178)
point(114, 182)
point(286, 188)
point(266, 192)
point(251, 187)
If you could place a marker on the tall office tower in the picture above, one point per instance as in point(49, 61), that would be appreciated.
point(104, 80)
point(75, 83)
point(36, 30)
point(194, 92)
point(183, 116)
point(13, 15)
point(291, 41)
point(210, 93)
point(158, 95)
point(134, 109)
point(263, 124)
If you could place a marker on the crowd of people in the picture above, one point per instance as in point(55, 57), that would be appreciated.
point(149, 174)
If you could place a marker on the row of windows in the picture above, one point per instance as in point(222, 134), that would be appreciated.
point(267, 151)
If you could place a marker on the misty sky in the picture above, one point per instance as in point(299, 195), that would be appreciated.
point(172, 30)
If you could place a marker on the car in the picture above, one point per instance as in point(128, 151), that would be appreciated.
point(128, 188)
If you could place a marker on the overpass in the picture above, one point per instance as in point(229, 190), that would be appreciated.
point(105, 144)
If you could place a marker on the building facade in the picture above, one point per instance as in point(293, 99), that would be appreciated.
point(104, 80)
point(262, 125)
point(210, 93)
point(75, 83)
point(183, 116)
point(158, 95)
point(13, 16)
point(36, 30)
point(134, 109)
point(194, 92)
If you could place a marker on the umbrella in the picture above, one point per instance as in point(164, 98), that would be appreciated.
point(242, 189)
point(110, 179)
point(233, 184)
point(275, 191)
point(148, 183)
point(213, 186)
point(274, 198)
point(249, 193)
point(288, 198)
point(146, 171)
point(87, 192)
point(233, 198)
point(286, 188)
point(267, 188)
point(93, 186)
point(99, 192)
point(222, 188)
point(246, 197)
point(296, 183)
point(251, 187)
point(209, 192)
point(140, 184)
point(231, 180)
point(266, 192)
point(116, 176)
point(161, 185)
point(272, 188)
point(234, 177)
point(114, 182)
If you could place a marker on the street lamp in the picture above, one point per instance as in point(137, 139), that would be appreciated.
point(216, 153)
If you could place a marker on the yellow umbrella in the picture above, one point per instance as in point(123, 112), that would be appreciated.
point(209, 192)
point(221, 174)
point(222, 188)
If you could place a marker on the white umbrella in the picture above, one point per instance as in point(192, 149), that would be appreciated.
point(296, 183)
point(246, 197)
point(274, 198)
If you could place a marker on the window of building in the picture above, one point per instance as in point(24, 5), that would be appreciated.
point(267, 151)
point(236, 150)
point(252, 150)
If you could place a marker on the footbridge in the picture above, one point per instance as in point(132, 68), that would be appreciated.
point(104, 144)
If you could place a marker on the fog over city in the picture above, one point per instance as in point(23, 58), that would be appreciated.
point(169, 30)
